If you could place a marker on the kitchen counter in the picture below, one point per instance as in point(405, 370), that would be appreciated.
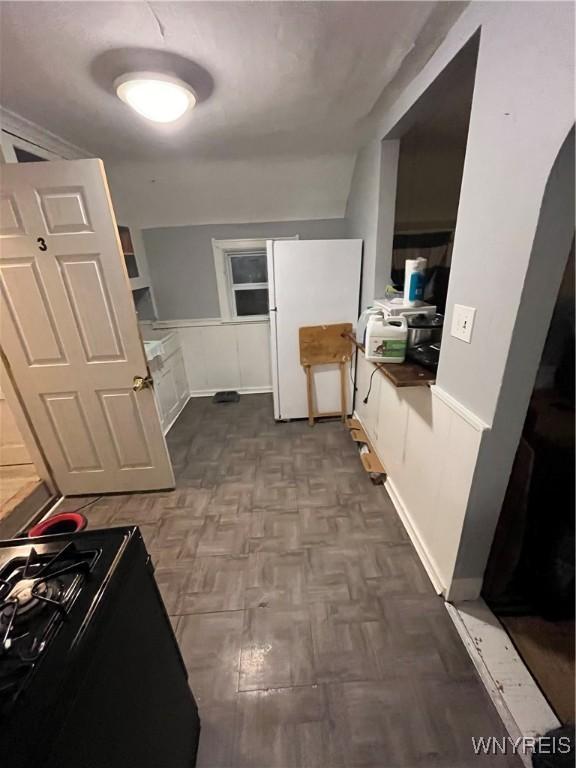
point(152, 349)
point(166, 364)
point(406, 374)
point(156, 341)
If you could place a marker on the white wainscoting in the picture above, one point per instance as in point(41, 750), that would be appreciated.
point(429, 445)
point(224, 355)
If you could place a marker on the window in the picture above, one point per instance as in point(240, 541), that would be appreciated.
point(241, 268)
point(248, 281)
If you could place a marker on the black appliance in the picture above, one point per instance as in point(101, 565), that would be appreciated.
point(424, 329)
point(426, 355)
point(90, 672)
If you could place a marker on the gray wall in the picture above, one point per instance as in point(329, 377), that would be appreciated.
point(550, 250)
point(370, 212)
point(144, 304)
point(181, 261)
point(522, 110)
point(362, 211)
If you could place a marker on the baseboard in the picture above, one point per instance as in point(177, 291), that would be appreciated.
point(411, 529)
point(415, 537)
point(514, 692)
point(25, 510)
point(175, 419)
point(240, 390)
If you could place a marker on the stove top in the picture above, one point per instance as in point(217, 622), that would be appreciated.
point(88, 658)
point(36, 593)
point(41, 583)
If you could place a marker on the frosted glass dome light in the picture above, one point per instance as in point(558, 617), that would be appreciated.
point(157, 97)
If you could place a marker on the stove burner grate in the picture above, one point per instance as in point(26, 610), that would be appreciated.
point(36, 594)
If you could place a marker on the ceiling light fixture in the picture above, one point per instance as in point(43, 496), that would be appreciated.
point(158, 97)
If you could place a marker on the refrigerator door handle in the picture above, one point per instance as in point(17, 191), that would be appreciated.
point(273, 315)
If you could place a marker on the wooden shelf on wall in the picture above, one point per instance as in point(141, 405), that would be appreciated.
point(401, 374)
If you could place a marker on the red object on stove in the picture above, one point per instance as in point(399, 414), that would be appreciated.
point(65, 522)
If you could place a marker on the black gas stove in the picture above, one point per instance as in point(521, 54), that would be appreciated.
point(37, 591)
point(90, 671)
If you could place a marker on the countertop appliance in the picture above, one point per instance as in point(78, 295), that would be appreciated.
point(426, 355)
point(424, 328)
point(397, 306)
point(310, 282)
point(90, 672)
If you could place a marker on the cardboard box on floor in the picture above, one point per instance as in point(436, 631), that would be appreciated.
point(369, 459)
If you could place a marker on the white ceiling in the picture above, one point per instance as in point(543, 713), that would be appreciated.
point(274, 78)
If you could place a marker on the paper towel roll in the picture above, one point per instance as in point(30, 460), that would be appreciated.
point(414, 277)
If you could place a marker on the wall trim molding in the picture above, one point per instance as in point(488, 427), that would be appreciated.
point(240, 390)
point(461, 410)
point(225, 356)
point(41, 137)
point(415, 538)
point(206, 322)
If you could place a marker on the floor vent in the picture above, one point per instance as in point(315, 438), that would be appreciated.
point(229, 396)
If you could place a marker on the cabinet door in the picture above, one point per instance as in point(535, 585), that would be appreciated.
point(165, 394)
point(368, 382)
point(157, 379)
point(180, 378)
point(168, 394)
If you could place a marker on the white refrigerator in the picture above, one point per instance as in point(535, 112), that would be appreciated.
point(310, 282)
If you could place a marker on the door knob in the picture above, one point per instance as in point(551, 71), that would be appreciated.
point(142, 382)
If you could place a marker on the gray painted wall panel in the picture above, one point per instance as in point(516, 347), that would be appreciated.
point(181, 263)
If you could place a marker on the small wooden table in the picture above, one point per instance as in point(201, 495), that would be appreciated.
point(325, 345)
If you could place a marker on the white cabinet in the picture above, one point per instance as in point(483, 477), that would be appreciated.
point(166, 393)
point(180, 378)
point(169, 375)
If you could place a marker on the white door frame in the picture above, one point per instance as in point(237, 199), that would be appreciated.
point(9, 143)
point(24, 424)
point(19, 132)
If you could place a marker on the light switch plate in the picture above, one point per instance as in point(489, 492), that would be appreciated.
point(463, 322)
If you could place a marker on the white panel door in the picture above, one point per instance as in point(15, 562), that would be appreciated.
point(69, 330)
point(315, 282)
